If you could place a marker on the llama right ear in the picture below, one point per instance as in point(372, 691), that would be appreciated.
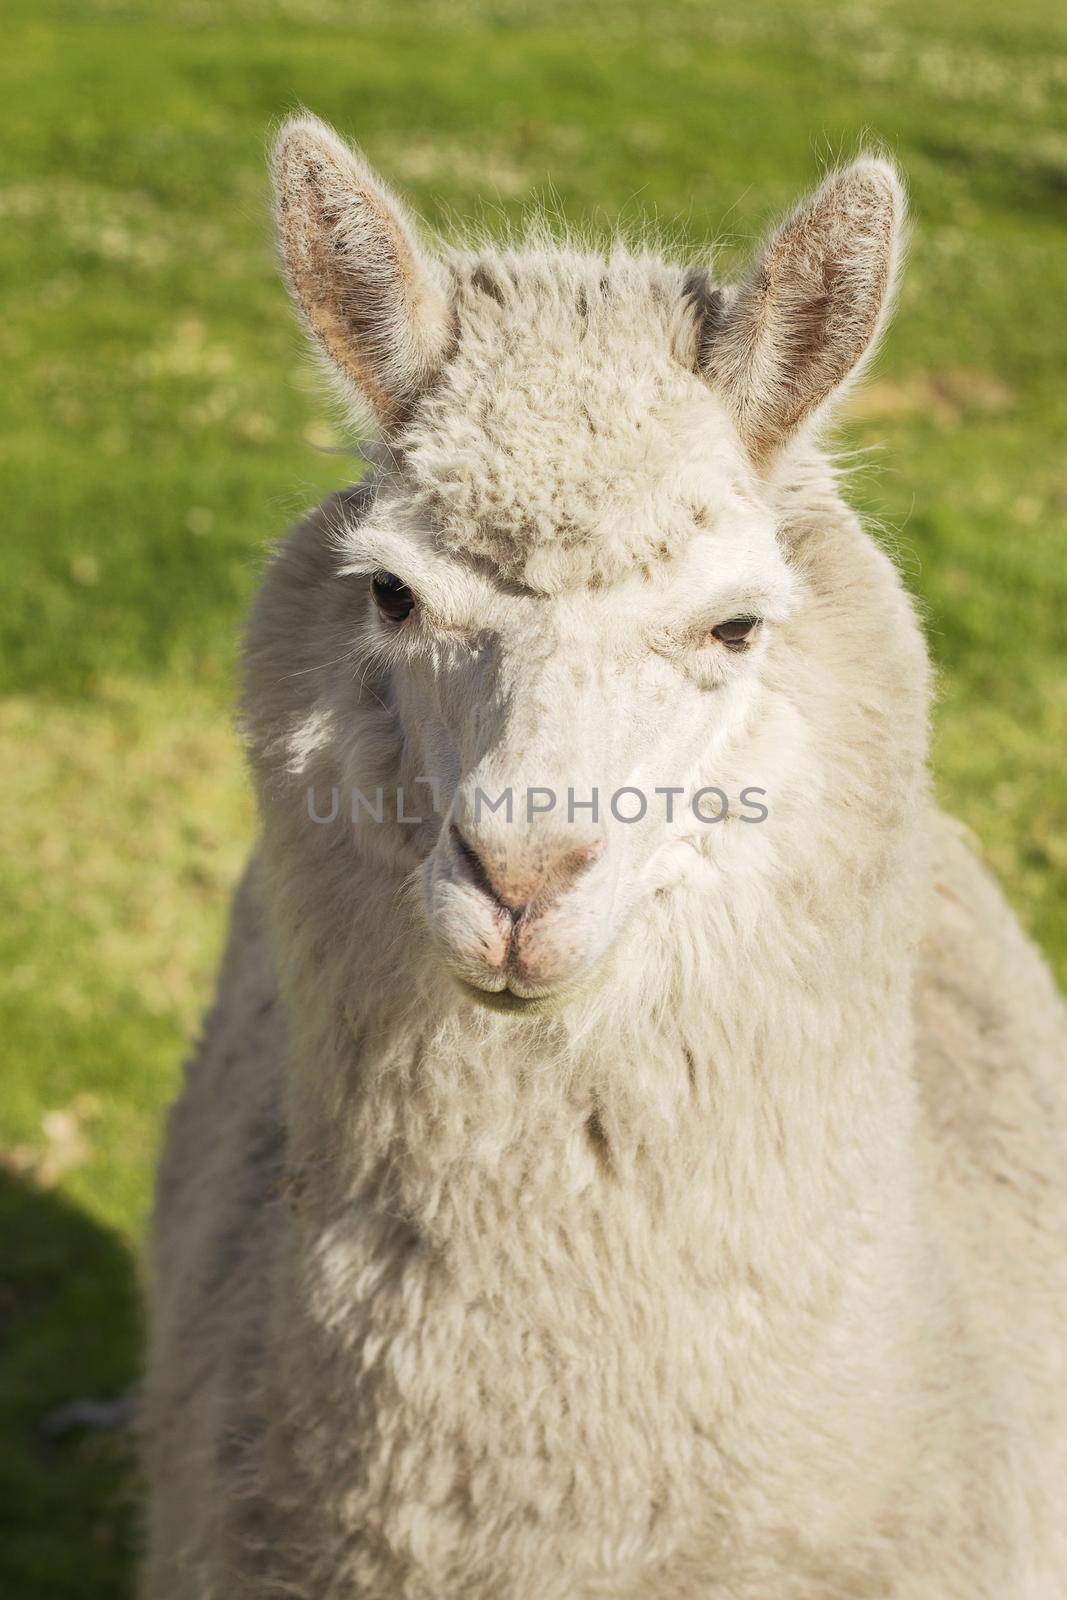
point(371, 299)
point(811, 309)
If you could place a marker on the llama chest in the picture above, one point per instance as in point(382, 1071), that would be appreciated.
point(519, 1424)
point(504, 1429)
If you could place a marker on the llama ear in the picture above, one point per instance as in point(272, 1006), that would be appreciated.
point(371, 299)
point(812, 307)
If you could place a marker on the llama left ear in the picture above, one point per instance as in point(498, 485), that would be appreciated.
point(812, 308)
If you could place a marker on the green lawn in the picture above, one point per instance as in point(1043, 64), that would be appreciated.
point(160, 427)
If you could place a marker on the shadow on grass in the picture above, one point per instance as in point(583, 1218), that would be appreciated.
point(69, 1328)
point(1021, 180)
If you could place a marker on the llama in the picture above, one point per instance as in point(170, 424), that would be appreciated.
point(602, 1200)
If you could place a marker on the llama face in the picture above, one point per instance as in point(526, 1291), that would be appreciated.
point(566, 592)
point(570, 738)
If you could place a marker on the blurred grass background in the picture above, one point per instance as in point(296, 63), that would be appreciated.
point(159, 427)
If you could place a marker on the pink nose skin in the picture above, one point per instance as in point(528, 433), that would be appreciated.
point(527, 886)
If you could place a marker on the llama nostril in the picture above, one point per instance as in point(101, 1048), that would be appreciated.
point(479, 872)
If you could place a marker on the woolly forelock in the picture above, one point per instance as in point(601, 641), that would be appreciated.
point(568, 439)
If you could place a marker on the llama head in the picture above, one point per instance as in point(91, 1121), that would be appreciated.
point(567, 588)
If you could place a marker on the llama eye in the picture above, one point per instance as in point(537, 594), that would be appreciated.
point(392, 597)
point(736, 634)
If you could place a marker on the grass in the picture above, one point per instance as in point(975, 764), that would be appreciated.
point(159, 428)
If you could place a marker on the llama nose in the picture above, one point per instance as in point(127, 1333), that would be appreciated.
point(539, 870)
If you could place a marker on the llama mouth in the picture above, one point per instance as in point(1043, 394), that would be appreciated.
point(508, 1002)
